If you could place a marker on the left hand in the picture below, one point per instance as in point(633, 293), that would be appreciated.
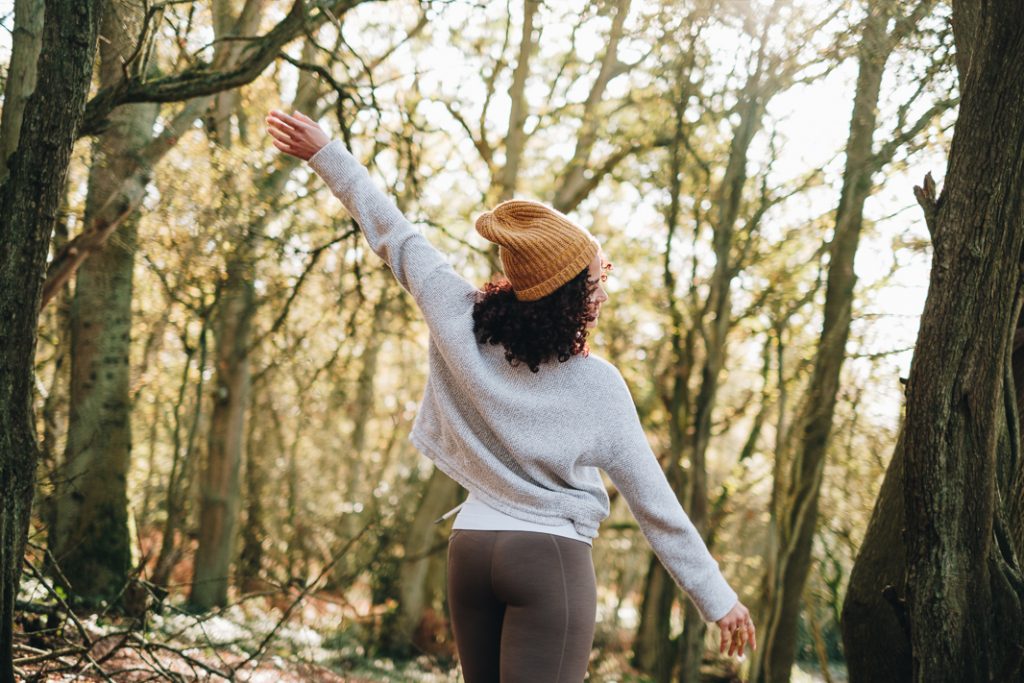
point(737, 630)
point(297, 135)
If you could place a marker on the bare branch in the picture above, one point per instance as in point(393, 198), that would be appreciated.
point(204, 78)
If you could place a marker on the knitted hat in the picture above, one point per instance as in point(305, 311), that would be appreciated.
point(540, 249)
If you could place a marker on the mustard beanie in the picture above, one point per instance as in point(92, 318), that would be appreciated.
point(540, 249)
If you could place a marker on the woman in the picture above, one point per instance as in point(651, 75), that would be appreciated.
point(519, 412)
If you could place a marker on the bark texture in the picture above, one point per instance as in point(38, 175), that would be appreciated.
point(29, 199)
point(965, 588)
point(936, 591)
point(21, 75)
point(220, 483)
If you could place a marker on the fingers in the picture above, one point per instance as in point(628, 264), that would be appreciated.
point(297, 121)
point(279, 134)
point(737, 640)
point(284, 147)
point(736, 636)
point(285, 118)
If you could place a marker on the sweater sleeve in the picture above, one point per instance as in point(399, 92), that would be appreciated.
point(419, 267)
point(635, 471)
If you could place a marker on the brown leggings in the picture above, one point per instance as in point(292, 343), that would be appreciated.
point(522, 605)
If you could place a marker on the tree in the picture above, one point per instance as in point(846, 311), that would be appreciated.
point(29, 198)
point(956, 468)
point(219, 484)
point(794, 513)
point(90, 539)
point(698, 354)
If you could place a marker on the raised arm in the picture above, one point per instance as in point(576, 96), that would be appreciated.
point(417, 265)
point(634, 469)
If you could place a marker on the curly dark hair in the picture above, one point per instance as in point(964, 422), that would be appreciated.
point(532, 332)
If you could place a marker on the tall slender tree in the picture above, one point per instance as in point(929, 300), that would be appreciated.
point(220, 483)
point(795, 496)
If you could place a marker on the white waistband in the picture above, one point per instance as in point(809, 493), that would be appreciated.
point(476, 514)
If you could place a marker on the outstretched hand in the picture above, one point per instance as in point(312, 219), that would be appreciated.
point(297, 135)
point(737, 630)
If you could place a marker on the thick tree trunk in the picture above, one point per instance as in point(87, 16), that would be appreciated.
point(264, 439)
point(90, 541)
point(936, 591)
point(963, 573)
point(29, 199)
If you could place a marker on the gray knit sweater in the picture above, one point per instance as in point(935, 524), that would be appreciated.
point(528, 444)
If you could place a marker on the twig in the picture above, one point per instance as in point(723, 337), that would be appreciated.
point(305, 591)
point(71, 615)
point(54, 654)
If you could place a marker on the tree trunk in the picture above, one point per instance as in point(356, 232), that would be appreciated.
point(876, 633)
point(714, 335)
point(29, 199)
point(21, 75)
point(55, 324)
point(795, 520)
point(220, 487)
point(653, 648)
point(921, 577)
point(183, 458)
point(691, 415)
point(516, 138)
point(416, 592)
point(794, 513)
point(264, 439)
point(359, 494)
point(90, 541)
point(963, 574)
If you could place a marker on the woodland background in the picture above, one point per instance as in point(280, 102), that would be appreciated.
point(210, 413)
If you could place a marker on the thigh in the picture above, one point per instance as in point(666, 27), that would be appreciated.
point(548, 585)
point(476, 614)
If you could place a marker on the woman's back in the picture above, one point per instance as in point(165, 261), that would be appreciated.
point(528, 444)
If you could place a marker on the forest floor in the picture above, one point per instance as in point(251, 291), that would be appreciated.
point(268, 638)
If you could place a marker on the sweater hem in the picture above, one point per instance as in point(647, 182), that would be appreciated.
point(445, 466)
